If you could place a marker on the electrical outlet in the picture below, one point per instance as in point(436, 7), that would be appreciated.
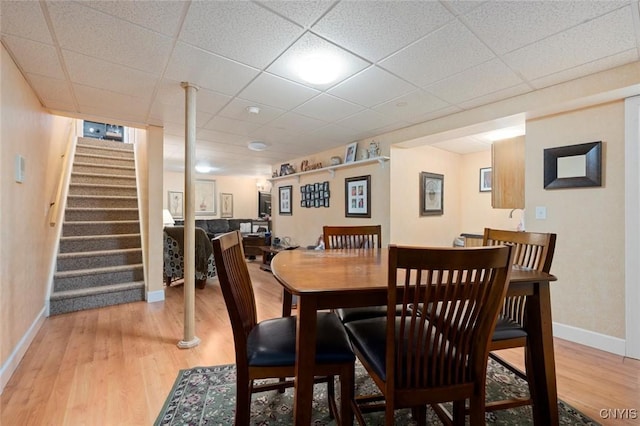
point(541, 212)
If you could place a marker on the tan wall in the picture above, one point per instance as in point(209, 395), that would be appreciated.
point(304, 226)
point(589, 257)
point(475, 207)
point(27, 241)
point(243, 189)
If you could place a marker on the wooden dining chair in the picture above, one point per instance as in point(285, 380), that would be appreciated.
point(533, 250)
point(415, 361)
point(267, 349)
point(346, 237)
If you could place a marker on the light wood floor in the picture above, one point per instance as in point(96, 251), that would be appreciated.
point(116, 365)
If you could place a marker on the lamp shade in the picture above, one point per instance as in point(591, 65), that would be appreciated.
point(167, 219)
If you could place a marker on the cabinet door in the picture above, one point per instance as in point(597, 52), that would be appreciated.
point(507, 162)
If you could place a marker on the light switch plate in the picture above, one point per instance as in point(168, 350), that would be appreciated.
point(541, 212)
point(19, 168)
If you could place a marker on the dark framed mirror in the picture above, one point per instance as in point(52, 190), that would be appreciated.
point(573, 166)
point(264, 204)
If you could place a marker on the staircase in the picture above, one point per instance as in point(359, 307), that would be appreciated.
point(100, 256)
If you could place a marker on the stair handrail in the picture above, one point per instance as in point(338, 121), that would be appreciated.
point(65, 173)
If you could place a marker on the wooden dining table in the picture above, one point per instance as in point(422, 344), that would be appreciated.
point(342, 278)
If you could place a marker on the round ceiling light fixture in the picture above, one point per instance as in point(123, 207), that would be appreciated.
point(203, 168)
point(318, 68)
point(253, 109)
point(257, 145)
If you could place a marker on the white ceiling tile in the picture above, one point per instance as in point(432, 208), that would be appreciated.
point(496, 96)
point(174, 113)
point(411, 105)
point(171, 92)
point(328, 108)
point(217, 136)
point(310, 46)
point(89, 71)
point(534, 20)
point(162, 17)
point(304, 13)
point(85, 30)
point(372, 87)
point(207, 70)
point(35, 57)
point(612, 61)
point(275, 91)
point(460, 7)
point(111, 105)
point(447, 51)
point(237, 109)
point(230, 125)
point(463, 146)
point(333, 133)
point(369, 120)
point(602, 37)
point(296, 123)
point(421, 118)
point(24, 19)
point(376, 29)
point(51, 89)
point(273, 135)
point(480, 80)
point(241, 31)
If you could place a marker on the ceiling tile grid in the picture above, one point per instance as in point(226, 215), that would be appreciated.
point(405, 62)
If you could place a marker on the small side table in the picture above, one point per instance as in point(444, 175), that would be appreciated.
point(267, 254)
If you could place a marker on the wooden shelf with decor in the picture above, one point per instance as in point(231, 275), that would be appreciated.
point(332, 169)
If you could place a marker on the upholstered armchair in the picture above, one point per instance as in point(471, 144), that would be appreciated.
point(174, 256)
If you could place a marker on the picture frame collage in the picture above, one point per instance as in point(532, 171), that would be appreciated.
point(314, 195)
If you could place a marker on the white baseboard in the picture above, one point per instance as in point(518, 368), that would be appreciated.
point(155, 296)
point(592, 339)
point(9, 367)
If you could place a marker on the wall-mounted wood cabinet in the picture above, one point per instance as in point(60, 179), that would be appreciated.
point(507, 162)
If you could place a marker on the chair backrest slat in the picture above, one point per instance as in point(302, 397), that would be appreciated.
point(352, 236)
point(235, 283)
point(467, 286)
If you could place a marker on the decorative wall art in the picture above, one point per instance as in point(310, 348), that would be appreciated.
point(431, 194)
point(485, 179)
point(357, 196)
point(175, 203)
point(573, 166)
point(314, 195)
point(205, 197)
point(285, 199)
point(226, 205)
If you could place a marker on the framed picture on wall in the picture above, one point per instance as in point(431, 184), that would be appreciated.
point(205, 193)
point(285, 201)
point(350, 152)
point(431, 194)
point(175, 203)
point(357, 196)
point(226, 205)
point(485, 179)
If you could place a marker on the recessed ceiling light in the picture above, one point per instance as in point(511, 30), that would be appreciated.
point(253, 109)
point(318, 68)
point(257, 145)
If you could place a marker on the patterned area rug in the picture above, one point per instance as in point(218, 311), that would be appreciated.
point(206, 396)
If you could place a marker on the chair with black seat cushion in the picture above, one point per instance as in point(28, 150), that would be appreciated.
point(346, 237)
point(267, 349)
point(533, 250)
point(415, 361)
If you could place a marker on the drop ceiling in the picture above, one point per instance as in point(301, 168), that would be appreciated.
point(406, 63)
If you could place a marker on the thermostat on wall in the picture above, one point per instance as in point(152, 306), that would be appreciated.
point(19, 168)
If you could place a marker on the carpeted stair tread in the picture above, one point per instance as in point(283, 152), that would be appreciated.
point(95, 209)
point(95, 271)
point(99, 222)
point(96, 237)
point(102, 185)
point(108, 166)
point(106, 197)
point(101, 175)
point(97, 253)
point(58, 295)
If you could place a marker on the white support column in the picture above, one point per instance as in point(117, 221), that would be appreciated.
point(190, 340)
